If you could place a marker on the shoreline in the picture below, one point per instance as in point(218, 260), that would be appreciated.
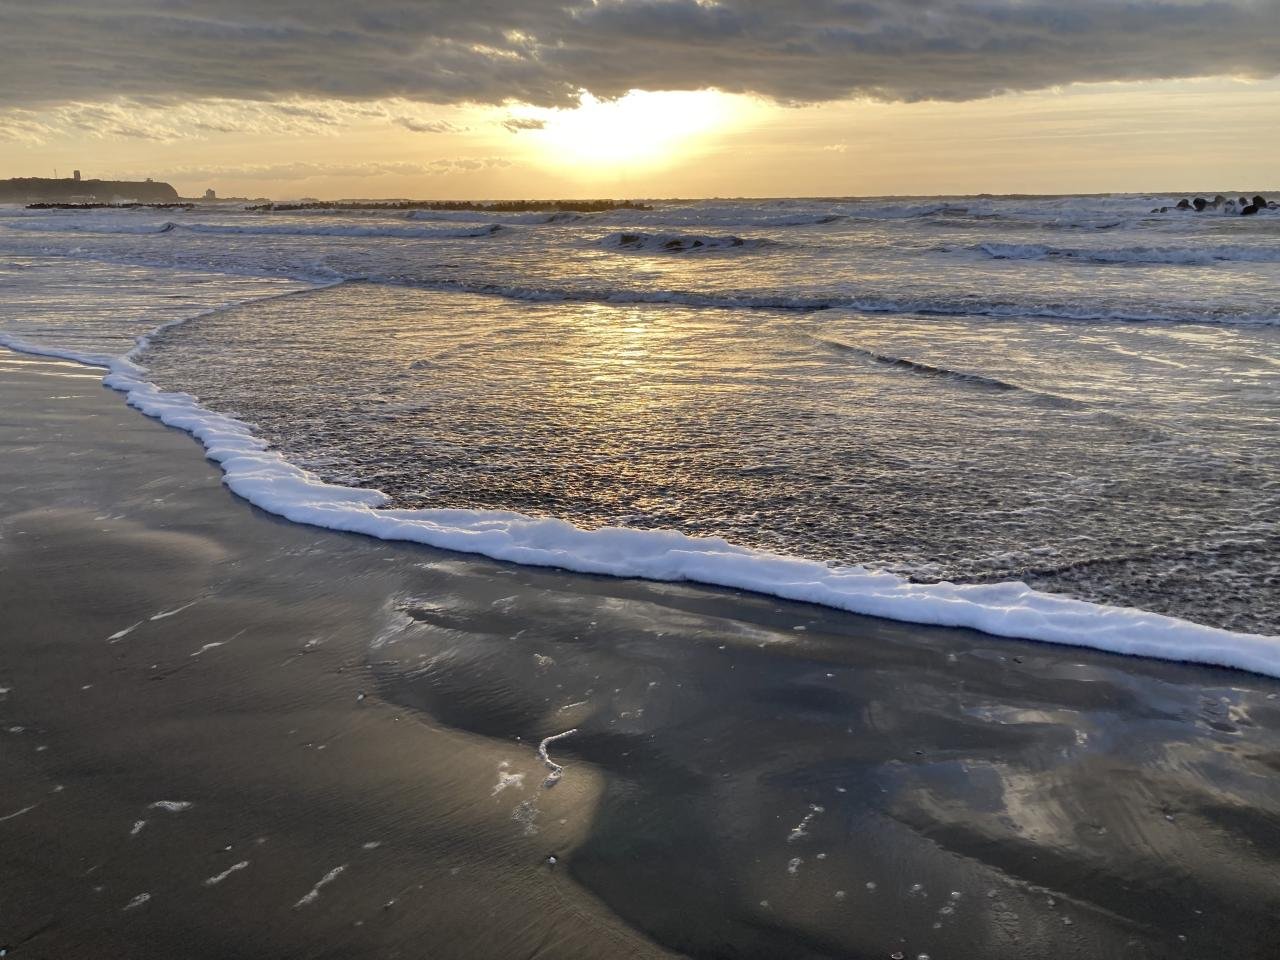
point(357, 721)
point(1013, 610)
point(181, 695)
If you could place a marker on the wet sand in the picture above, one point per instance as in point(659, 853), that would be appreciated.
point(229, 736)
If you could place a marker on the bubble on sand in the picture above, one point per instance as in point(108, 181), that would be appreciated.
point(801, 829)
point(121, 634)
point(526, 813)
point(166, 614)
point(19, 813)
point(217, 878)
point(506, 779)
point(209, 646)
point(314, 893)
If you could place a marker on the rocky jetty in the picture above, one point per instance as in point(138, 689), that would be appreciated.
point(501, 206)
point(1243, 207)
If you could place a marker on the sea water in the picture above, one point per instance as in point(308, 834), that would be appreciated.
point(1054, 418)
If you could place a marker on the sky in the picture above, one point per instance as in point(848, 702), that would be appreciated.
point(441, 99)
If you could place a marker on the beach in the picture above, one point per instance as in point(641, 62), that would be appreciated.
point(696, 479)
point(230, 735)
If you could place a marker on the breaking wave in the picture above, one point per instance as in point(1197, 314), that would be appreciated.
point(262, 229)
point(1179, 256)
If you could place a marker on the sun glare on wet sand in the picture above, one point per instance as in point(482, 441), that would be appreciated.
point(641, 130)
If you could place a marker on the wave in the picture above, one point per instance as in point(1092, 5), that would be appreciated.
point(1180, 256)
point(128, 229)
point(682, 243)
point(1065, 213)
point(920, 306)
point(263, 477)
point(293, 230)
point(319, 271)
point(472, 216)
point(726, 215)
point(916, 366)
point(264, 230)
point(958, 376)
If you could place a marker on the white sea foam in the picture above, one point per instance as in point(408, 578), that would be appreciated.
point(557, 771)
point(263, 477)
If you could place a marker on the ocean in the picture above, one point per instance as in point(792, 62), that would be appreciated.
point(1049, 418)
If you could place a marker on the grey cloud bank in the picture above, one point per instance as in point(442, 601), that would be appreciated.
point(543, 52)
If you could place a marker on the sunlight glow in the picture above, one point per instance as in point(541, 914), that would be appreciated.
point(640, 131)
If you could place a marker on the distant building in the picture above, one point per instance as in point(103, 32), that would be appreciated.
point(75, 175)
point(210, 195)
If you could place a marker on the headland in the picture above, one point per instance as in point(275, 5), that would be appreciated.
point(75, 190)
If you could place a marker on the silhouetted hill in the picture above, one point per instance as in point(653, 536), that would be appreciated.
point(63, 190)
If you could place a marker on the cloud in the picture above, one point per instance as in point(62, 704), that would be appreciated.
point(545, 51)
point(418, 125)
point(516, 124)
point(160, 119)
point(303, 170)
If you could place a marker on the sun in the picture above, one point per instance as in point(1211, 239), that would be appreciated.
point(640, 131)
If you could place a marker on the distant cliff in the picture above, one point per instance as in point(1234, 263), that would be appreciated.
point(43, 190)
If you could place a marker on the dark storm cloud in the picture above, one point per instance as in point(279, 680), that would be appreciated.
point(543, 51)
